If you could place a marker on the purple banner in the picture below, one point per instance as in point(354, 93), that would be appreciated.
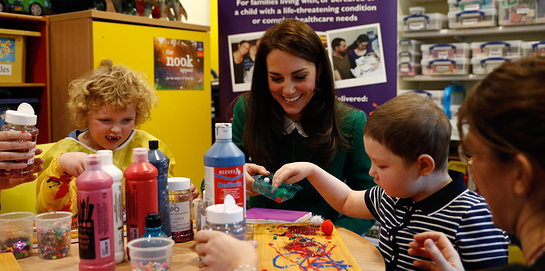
point(369, 82)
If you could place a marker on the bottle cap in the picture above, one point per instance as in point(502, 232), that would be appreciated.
point(153, 220)
point(223, 131)
point(140, 155)
point(106, 156)
point(23, 116)
point(178, 183)
point(153, 144)
point(228, 212)
point(93, 161)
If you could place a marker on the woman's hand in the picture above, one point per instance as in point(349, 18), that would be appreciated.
point(251, 170)
point(73, 163)
point(220, 251)
point(437, 247)
point(16, 140)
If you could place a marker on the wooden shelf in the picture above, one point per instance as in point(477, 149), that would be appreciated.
point(20, 32)
point(500, 30)
point(25, 85)
point(420, 78)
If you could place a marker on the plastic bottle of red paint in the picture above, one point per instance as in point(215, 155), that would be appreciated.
point(141, 192)
point(95, 216)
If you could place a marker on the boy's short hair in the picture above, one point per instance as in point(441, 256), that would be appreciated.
point(409, 126)
point(117, 86)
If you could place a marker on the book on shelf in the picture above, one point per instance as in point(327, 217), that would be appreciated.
point(263, 215)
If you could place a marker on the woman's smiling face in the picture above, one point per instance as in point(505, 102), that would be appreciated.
point(292, 82)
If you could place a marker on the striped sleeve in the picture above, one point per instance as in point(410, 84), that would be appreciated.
point(372, 200)
point(480, 244)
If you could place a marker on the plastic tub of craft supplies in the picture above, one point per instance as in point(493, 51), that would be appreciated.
point(152, 253)
point(407, 56)
point(452, 66)
point(496, 48)
point(472, 18)
point(533, 48)
point(408, 45)
point(484, 65)
point(467, 5)
point(16, 233)
point(446, 50)
point(415, 22)
point(262, 185)
point(53, 232)
point(516, 12)
point(417, 10)
point(408, 69)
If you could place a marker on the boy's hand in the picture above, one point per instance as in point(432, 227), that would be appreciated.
point(437, 247)
point(73, 163)
point(251, 170)
point(292, 173)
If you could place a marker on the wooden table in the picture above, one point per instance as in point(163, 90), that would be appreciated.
point(184, 256)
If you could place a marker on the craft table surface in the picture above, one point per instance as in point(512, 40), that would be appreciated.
point(184, 256)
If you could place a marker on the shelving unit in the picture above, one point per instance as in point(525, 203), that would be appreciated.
point(36, 87)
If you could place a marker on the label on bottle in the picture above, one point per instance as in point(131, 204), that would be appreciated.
point(117, 191)
point(95, 227)
point(223, 181)
point(180, 216)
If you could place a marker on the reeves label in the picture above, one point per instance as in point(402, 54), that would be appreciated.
point(223, 181)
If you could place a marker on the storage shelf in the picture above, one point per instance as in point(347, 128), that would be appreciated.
point(419, 78)
point(500, 30)
point(20, 32)
point(22, 85)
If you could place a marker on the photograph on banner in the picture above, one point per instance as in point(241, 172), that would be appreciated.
point(242, 51)
point(356, 55)
point(178, 64)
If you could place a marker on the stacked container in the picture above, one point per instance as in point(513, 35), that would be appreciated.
point(533, 48)
point(445, 58)
point(408, 57)
point(472, 13)
point(490, 54)
point(519, 12)
point(418, 20)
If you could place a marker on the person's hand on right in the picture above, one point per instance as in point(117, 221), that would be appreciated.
point(251, 170)
point(73, 163)
point(220, 251)
point(437, 247)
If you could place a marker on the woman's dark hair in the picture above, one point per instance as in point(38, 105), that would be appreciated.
point(264, 115)
point(507, 110)
point(361, 38)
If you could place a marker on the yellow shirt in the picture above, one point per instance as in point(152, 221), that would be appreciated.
point(56, 190)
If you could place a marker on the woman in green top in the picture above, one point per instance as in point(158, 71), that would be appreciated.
point(291, 114)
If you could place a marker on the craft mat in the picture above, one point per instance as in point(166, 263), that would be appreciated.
point(270, 258)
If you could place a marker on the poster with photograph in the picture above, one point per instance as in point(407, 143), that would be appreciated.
point(178, 64)
point(242, 51)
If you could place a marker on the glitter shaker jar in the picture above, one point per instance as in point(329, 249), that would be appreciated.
point(21, 120)
point(53, 231)
point(180, 196)
point(227, 218)
point(16, 233)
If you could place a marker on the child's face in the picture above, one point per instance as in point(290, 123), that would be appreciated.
point(109, 128)
point(390, 171)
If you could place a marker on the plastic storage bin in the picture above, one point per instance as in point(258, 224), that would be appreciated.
point(511, 12)
point(417, 10)
point(451, 66)
point(407, 56)
point(468, 5)
point(408, 69)
point(12, 58)
point(431, 21)
point(472, 18)
point(408, 45)
point(435, 95)
point(446, 50)
point(496, 48)
point(533, 48)
point(484, 65)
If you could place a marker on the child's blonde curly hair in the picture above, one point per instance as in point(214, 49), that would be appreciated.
point(117, 86)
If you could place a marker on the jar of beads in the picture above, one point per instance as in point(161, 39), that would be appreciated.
point(16, 233)
point(53, 231)
point(227, 218)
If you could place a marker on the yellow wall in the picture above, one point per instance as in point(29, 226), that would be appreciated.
point(214, 47)
point(183, 118)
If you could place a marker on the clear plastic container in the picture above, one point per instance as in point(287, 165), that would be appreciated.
point(279, 194)
point(533, 48)
point(417, 10)
point(446, 50)
point(484, 65)
point(53, 232)
point(518, 12)
point(435, 95)
point(408, 45)
point(540, 16)
point(408, 69)
point(227, 218)
point(16, 233)
point(431, 21)
point(496, 48)
point(468, 5)
point(472, 18)
point(153, 253)
point(451, 66)
point(408, 56)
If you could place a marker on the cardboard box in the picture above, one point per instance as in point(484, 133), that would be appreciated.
point(12, 58)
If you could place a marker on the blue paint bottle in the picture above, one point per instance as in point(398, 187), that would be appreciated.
point(224, 169)
point(161, 162)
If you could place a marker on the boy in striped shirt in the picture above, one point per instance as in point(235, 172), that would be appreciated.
point(407, 140)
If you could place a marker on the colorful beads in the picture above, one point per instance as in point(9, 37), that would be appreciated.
point(53, 243)
point(21, 246)
point(149, 266)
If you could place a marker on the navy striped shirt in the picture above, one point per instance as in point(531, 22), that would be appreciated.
point(462, 215)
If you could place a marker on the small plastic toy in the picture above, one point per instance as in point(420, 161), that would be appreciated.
point(282, 193)
point(34, 7)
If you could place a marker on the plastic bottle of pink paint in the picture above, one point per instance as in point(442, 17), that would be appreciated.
point(95, 216)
